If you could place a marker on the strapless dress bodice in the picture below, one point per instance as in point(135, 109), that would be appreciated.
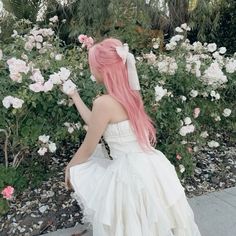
point(120, 136)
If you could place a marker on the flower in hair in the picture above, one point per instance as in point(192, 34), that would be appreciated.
point(86, 41)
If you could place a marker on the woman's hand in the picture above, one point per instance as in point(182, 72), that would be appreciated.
point(71, 94)
point(67, 178)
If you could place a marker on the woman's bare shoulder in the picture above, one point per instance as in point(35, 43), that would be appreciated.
point(105, 99)
point(112, 107)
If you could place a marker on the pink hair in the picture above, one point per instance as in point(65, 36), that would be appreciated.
point(104, 60)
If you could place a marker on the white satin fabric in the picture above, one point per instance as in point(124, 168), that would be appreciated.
point(136, 193)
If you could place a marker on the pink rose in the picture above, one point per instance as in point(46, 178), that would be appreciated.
point(7, 192)
point(178, 157)
point(196, 112)
point(36, 87)
point(89, 42)
point(16, 77)
point(82, 38)
point(190, 150)
point(86, 41)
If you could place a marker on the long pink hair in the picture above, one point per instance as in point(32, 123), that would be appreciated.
point(104, 60)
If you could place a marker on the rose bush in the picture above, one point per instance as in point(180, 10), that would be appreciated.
point(32, 70)
point(188, 90)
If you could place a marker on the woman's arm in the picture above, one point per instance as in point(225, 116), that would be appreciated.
point(100, 116)
point(97, 122)
point(84, 111)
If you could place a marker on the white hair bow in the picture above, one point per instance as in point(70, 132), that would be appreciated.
point(128, 58)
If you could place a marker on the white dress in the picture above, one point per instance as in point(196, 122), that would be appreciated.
point(135, 194)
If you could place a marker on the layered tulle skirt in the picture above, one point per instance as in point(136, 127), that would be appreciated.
point(134, 194)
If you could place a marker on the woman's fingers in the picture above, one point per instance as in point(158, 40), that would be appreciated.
point(67, 179)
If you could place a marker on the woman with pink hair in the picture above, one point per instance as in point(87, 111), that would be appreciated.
point(136, 191)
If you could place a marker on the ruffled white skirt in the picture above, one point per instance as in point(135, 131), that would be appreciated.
point(134, 194)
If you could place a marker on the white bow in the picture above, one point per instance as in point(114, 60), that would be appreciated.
point(128, 58)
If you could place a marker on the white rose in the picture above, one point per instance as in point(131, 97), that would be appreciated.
point(181, 168)
point(160, 92)
point(54, 19)
point(193, 93)
point(48, 86)
point(55, 78)
point(58, 57)
point(29, 46)
point(151, 57)
point(64, 73)
point(39, 38)
point(38, 45)
point(68, 87)
point(222, 50)
point(178, 110)
point(36, 87)
point(185, 27)
point(186, 129)
point(216, 55)
point(167, 65)
point(217, 118)
point(155, 45)
point(183, 98)
point(52, 147)
point(52, 54)
point(226, 112)
point(42, 151)
point(179, 30)
point(217, 96)
point(197, 46)
point(211, 47)
point(17, 103)
point(7, 101)
point(213, 93)
point(187, 121)
point(67, 124)
point(37, 76)
point(171, 46)
point(230, 66)
point(15, 33)
point(78, 125)
point(213, 143)
point(70, 130)
point(44, 138)
point(176, 38)
point(204, 134)
point(16, 77)
point(204, 94)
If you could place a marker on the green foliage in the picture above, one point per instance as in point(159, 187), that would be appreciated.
point(204, 20)
point(23, 9)
point(29, 174)
point(40, 109)
point(226, 30)
point(214, 21)
point(10, 177)
point(13, 177)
